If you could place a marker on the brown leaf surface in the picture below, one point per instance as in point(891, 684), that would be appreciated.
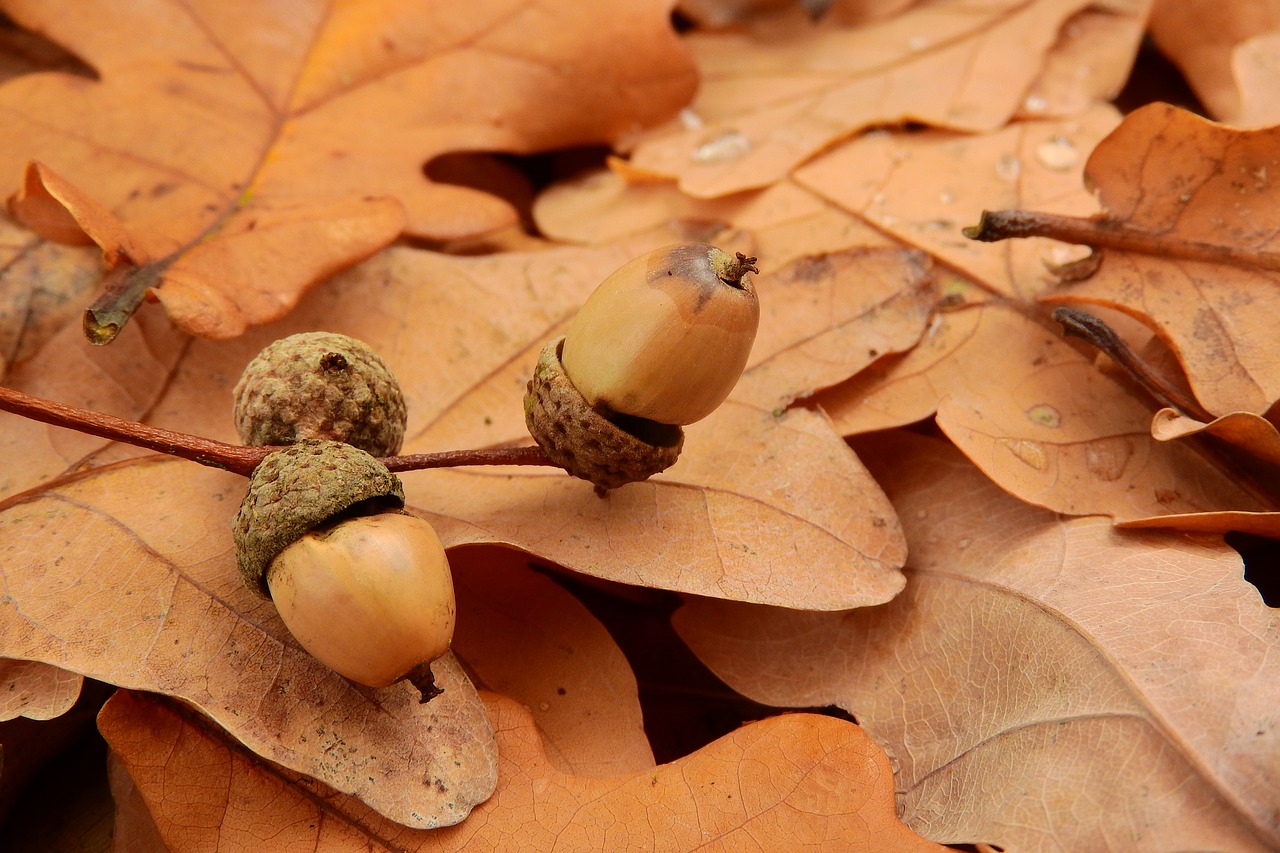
point(127, 575)
point(1168, 173)
point(767, 103)
point(1227, 52)
point(313, 124)
point(924, 187)
point(1037, 667)
point(760, 507)
point(775, 784)
point(1038, 418)
point(524, 636)
point(35, 690)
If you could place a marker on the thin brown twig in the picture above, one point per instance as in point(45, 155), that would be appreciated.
point(236, 458)
point(1103, 233)
point(1081, 324)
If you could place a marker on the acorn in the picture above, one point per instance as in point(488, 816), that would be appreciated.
point(362, 585)
point(320, 385)
point(659, 345)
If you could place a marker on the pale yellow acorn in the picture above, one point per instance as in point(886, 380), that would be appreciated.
point(362, 585)
point(659, 344)
point(665, 337)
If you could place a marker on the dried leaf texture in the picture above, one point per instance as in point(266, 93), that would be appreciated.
point(768, 103)
point(126, 575)
point(1038, 667)
point(1227, 52)
point(1039, 419)
point(762, 506)
point(256, 149)
point(35, 690)
point(788, 782)
point(1184, 180)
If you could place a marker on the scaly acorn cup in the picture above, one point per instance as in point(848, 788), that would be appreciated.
point(659, 344)
point(362, 585)
point(320, 385)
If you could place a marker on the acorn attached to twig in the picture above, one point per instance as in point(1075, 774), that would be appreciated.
point(658, 345)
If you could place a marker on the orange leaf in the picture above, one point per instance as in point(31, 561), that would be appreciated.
point(781, 783)
point(144, 593)
point(1037, 667)
point(300, 131)
point(35, 690)
point(768, 103)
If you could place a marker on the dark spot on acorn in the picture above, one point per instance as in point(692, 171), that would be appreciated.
point(333, 362)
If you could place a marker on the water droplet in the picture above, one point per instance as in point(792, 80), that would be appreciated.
point(690, 120)
point(544, 706)
point(1035, 104)
point(1009, 167)
point(1107, 458)
point(946, 197)
point(878, 199)
point(729, 145)
point(1044, 415)
point(1028, 452)
point(1058, 153)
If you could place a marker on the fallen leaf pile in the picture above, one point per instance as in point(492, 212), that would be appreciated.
point(999, 556)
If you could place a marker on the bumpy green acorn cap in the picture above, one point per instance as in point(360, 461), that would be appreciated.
point(302, 488)
point(320, 385)
point(608, 452)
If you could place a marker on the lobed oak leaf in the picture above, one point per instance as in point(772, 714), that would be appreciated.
point(126, 575)
point(249, 151)
point(922, 188)
point(1043, 683)
point(778, 783)
point(523, 635)
point(768, 103)
point(1038, 418)
point(1186, 184)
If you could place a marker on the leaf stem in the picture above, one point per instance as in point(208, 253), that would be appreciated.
point(1081, 324)
point(235, 458)
point(1104, 233)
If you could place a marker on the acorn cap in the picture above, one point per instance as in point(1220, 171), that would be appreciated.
point(304, 487)
point(320, 385)
point(609, 453)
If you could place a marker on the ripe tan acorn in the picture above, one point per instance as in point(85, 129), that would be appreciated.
point(362, 585)
point(658, 345)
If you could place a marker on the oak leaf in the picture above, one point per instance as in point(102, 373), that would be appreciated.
point(126, 575)
point(1037, 667)
point(1227, 52)
point(769, 102)
point(254, 151)
point(775, 784)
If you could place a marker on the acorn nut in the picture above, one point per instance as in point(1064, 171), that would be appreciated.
point(658, 345)
point(362, 585)
point(320, 385)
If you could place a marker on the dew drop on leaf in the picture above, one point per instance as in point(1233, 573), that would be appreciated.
point(1009, 167)
point(729, 145)
point(1057, 153)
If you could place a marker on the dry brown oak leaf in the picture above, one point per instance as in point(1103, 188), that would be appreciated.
point(126, 575)
point(763, 505)
point(791, 782)
point(1188, 239)
point(1044, 423)
point(1043, 683)
point(1228, 54)
point(229, 155)
point(772, 99)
